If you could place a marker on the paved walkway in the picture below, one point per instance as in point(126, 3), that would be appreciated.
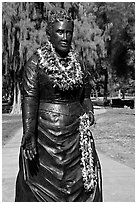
point(118, 179)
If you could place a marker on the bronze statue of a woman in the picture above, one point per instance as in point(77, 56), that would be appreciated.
point(58, 161)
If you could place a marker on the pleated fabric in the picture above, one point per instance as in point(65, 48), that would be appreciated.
point(55, 174)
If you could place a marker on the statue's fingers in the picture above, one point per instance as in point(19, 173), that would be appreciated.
point(28, 154)
point(32, 155)
point(34, 150)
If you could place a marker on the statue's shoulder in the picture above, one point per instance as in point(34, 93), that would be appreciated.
point(33, 59)
point(32, 63)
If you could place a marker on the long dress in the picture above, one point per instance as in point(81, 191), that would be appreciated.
point(53, 116)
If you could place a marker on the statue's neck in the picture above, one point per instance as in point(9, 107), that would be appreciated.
point(61, 54)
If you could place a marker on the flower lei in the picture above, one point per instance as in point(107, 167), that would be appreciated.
point(65, 76)
point(86, 144)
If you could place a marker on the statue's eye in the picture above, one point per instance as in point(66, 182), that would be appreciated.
point(60, 32)
point(69, 33)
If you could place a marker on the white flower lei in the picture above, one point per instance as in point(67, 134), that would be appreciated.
point(65, 76)
point(86, 147)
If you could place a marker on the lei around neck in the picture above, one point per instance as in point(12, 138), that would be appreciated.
point(65, 73)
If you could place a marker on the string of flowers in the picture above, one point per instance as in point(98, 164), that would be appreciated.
point(65, 76)
point(86, 147)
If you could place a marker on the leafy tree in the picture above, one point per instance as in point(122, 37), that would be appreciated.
point(121, 45)
point(23, 32)
point(89, 41)
point(104, 36)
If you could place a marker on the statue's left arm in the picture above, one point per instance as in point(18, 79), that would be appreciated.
point(87, 103)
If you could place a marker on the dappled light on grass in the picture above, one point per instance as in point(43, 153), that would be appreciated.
point(114, 134)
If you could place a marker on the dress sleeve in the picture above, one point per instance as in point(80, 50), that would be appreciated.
point(87, 103)
point(87, 86)
point(30, 95)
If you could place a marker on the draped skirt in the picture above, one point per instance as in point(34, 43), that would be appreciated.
point(55, 174)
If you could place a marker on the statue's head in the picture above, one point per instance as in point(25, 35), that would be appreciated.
point(60, 30)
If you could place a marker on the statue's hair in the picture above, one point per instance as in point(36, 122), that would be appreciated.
point(57, 14)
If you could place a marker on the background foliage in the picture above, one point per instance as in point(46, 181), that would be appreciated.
point(104, 37)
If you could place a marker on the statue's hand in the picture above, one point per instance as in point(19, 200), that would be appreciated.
point(28, 144)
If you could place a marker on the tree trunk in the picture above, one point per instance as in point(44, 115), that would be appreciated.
point(16, 108)
point(105, 86)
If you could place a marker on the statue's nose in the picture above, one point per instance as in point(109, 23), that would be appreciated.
point(64, 36)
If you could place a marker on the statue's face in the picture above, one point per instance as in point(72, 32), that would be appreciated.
point(61, 36)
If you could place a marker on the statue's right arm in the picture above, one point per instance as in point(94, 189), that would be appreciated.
point(30, 98)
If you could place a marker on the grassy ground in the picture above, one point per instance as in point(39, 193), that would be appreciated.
point(114, 134)
point(10, 124)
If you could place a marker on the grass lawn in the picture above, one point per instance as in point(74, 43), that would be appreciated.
point(114, 134)
point(10, 124)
